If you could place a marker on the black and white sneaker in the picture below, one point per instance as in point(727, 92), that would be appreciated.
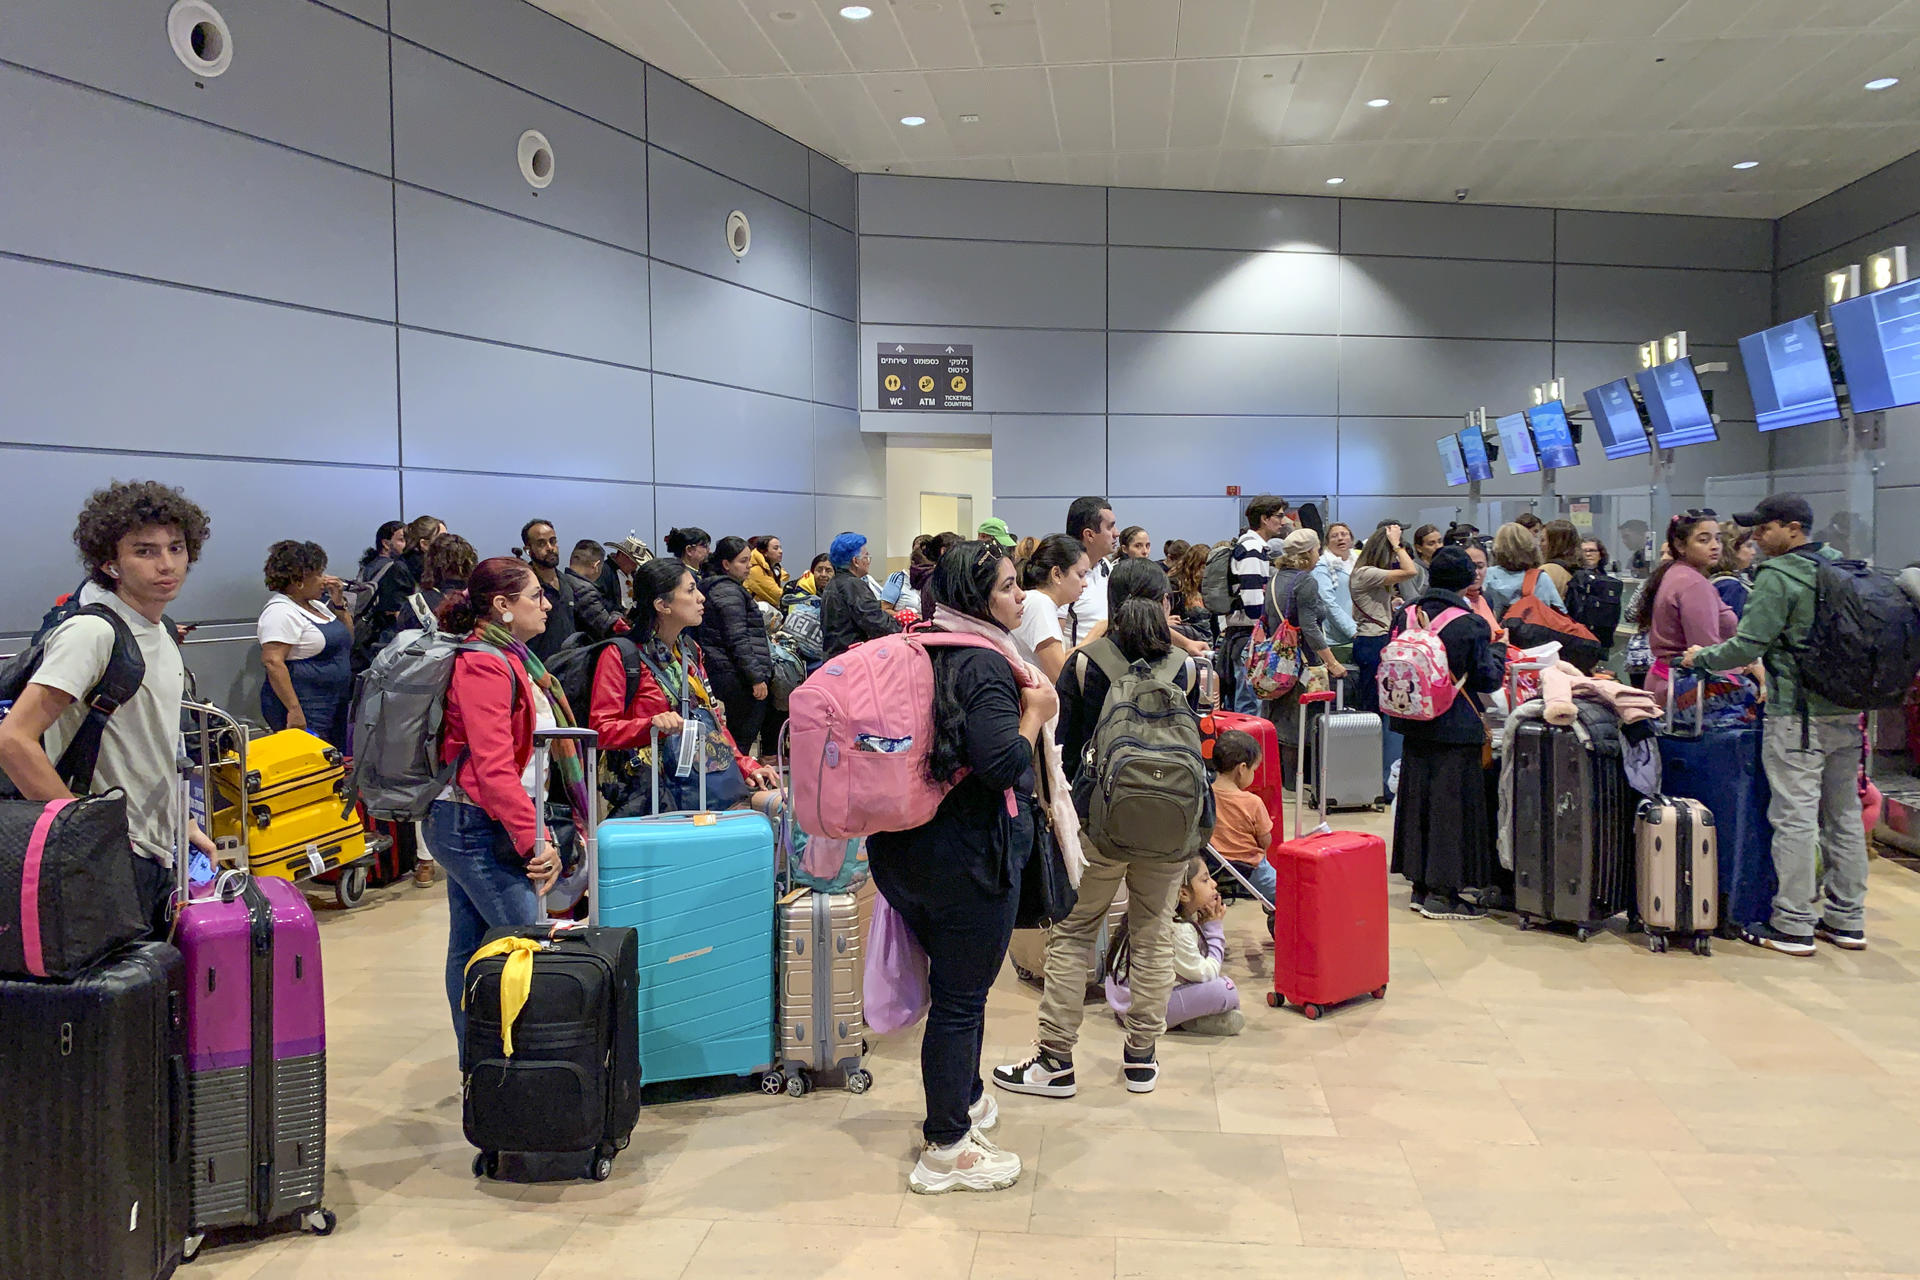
point(1436, 907)
point(1042, 1075)
point(1141, 1068)
point(1845, 939)
point(1788, 944)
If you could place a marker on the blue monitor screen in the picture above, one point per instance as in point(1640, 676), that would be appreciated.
point(1450, 460)
point(1674, 402)
point(1879, 341)
point(1554, 434)
point(1622, 433)
point(1787, 369)
point(1518, 442)
point(1473, 451)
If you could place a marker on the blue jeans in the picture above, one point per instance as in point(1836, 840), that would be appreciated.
point(1260, 874)
point(1233, 680)
point(481, 893)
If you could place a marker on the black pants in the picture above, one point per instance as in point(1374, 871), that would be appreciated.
point(745, 714)
point(965, 934)
point(1233, 652)
point(153, 886)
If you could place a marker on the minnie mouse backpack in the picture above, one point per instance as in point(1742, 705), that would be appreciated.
point(1415, 682)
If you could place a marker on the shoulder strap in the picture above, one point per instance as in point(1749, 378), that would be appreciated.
point(1527, 584)
point(1447, 618)
point(125, 671)
point(1170, 666)
point(1106, 655)
point(630, 662)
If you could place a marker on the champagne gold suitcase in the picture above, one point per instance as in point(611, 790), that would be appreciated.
point(822, 1004)
point(1677, 869)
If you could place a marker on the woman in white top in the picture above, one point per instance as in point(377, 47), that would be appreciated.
point(306, 644)
point(1053, 576)
point(1334, 574)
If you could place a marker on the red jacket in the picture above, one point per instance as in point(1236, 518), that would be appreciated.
point(495, 726)
point(632, 726)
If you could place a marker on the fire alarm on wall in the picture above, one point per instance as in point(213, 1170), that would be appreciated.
point(1233, 491)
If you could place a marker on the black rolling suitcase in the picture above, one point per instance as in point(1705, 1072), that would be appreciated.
point(1572, 818)
point(571, 1085)
point(93, 1134)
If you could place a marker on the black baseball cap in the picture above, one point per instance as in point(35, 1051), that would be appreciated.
point(1787, 508)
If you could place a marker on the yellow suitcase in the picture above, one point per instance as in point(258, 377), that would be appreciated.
point(307, 842)
point(286, 771)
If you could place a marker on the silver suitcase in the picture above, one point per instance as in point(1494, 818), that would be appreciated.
point(1348, 746)
point(822, 1001)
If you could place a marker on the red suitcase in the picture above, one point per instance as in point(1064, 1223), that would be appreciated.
point(1266, 780)
point(1330, 934)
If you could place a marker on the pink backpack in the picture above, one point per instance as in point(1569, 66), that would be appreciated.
point(860, 729)
point(1414, 681)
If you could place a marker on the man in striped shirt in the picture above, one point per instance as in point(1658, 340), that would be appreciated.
point(1250, 567)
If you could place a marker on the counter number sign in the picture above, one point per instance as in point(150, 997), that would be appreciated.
point(926, 376)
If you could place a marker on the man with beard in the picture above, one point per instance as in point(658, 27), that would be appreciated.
point(577, 607)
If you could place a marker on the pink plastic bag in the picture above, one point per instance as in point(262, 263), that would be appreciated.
point(896, 994)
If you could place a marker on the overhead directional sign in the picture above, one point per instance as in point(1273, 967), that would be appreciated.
point(926, 376)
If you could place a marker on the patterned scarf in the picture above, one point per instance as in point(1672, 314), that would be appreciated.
point(563, 754)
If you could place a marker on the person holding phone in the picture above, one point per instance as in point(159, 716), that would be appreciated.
point(306, 644)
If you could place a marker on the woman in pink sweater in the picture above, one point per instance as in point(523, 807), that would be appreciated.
point(1679, 607)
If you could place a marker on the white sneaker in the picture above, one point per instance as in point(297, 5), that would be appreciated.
point(1042, 1075)
point(985, 1113)
point(971, 1164)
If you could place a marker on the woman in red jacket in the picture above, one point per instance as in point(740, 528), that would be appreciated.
point(666, 605)
point(483, 829)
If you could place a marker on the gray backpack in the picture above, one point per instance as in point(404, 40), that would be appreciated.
point(1150, 797)
point(1216, 581)
point(399, 712)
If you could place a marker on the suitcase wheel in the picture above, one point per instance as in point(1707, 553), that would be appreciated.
point(1703, 944)
point(1311, 1010)
point(486, 1164)
point(1275, 1000)
point(319, 1221)
point(1656, 943)
point(602, 1168)
point(1583, 933)
point(1523, 921)
point(191, 1248)
point(1380, 992)
point(773, 1083)
point(351, 887)
point(798, 1086)
point(859, 1080)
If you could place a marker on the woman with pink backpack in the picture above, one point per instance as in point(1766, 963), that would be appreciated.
point(1442, 830)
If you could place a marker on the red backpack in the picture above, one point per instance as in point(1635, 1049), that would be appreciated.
point(1531, 622)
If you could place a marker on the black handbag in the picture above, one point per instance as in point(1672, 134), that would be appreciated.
point(1047, 896)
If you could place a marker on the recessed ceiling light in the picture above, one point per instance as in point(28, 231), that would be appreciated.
point(1439, 100)
point(1747, 164)
point(969, 119)
point(856, 12)
point(1884, 82)
point(1378, 102)
point(1334, 182)
point(913, 122)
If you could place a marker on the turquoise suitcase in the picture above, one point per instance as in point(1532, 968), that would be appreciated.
point(698, 888)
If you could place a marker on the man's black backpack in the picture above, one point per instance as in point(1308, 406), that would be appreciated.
point(116, 686)
point(1593, 601)
point(1864, 646)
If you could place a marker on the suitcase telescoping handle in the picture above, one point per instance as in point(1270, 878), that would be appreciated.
point(700, 731)
point(1300, 756)
point(589, 744)
point(208, 724)
point(1668, 725)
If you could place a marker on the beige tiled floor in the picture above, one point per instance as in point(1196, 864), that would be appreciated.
point(1520, 1107)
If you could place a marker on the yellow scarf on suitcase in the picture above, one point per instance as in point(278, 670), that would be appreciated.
point(516, 980)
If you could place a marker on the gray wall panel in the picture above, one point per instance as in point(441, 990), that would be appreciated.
point(471, 404)
point(740, 513)
point(718, 332)
point(766, 441)
point(1032, 517)
point(1852, 212)
point(1034, 286)
point(835, 343)
point(1223, 373)
point(250, 504)
point(1023, 371)
point(1387, 457)
point(488, 510)
point(832, 192)
point(1223, 220)
point(1627, 304)
point(847, 461)
point(1422, 297)
point(1202, 456)
point(374, 11)
point(534, 50)
point(472, 271)
point(1038, 455)
point(689, 208)
point(833, 516)
point(1446, 230)
point(707, 131)
point(836, 270)
point(1664, 240)
point(458, 132)
point(1195, 519)
point(1364, 511)
point(1433, 377)
point(131, 189)
point(1218, 291)
point(966, 210)
point(977, 428)
point(108, 363)
point(301, 74)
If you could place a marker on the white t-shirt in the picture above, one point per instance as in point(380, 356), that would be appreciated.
point(286, 621)
point(141, 748)
point(1039, 623)
point(1091, 608)
point(543, 718)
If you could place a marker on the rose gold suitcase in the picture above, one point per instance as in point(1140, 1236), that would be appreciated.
point(1677, 873)
point(822, 998)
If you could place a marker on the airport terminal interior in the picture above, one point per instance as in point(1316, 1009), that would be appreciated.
point(794, 270)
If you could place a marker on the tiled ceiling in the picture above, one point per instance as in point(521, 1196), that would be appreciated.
point(1597, 104)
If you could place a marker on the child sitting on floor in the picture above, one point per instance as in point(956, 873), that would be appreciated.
point(1203, 999)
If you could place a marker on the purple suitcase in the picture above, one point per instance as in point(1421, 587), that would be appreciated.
point(256, 1055)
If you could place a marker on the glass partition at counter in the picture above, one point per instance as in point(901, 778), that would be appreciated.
point(1844, 510)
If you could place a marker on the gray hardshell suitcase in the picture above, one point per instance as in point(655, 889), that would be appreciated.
point(822, 1005)
point(1572, 816)
point(1348, 745)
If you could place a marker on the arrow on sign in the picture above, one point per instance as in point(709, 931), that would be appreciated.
point(949, 350)
point(898, 350)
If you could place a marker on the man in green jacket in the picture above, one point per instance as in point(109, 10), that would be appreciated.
point(1815, 811)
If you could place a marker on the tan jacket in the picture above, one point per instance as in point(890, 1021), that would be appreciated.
point(764, 582)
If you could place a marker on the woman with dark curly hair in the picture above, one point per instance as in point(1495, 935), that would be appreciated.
point(450, 560)
point(306, 644)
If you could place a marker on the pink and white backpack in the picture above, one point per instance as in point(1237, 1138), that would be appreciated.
point(1414, 681)
point(860, 731)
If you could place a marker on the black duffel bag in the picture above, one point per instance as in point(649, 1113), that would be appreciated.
point(67, 889)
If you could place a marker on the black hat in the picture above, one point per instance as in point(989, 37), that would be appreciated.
point(1451, 570)
point(1787, 508)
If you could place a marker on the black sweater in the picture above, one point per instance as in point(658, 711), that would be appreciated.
point(972, 842)
point(734, 637)
point(1470, 653)
point(851, 613)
